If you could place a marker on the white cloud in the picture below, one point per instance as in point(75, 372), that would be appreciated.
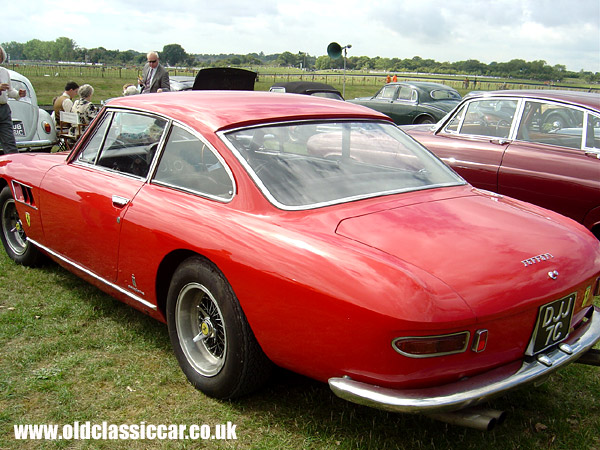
point(556, 31)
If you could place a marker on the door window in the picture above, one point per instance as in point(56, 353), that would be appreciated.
point(124, 142)
point(387, 92)
point(550, 123)
point(489, 117)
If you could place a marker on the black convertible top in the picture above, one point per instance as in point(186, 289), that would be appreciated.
point(306, 87)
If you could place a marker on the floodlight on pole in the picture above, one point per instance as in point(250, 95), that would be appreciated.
point(334, 51)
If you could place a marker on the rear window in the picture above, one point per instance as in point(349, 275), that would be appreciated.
point(308, 165)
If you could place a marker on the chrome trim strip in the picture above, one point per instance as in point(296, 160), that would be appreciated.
point(474, 390)
point(146, 303)
point(29, 144)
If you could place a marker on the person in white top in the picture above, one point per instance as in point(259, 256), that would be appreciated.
point(7, 137)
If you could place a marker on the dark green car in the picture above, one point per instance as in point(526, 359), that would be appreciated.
point(410, 103)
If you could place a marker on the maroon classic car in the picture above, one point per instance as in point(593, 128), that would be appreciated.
point(373, 267)
point(539, 146)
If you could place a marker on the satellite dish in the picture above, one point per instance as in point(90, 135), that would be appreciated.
point(334, 50)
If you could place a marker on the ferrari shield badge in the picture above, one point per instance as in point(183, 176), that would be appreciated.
point(28, 219)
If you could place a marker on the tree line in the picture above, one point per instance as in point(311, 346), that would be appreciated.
point(65, 49)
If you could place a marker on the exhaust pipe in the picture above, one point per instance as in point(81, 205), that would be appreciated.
point(477, 418)
point(591, 357)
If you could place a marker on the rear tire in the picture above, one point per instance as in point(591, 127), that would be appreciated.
point(12, 233)
point(424, 120)
point(210, 335)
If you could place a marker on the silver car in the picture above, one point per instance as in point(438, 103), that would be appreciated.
point(33, 127)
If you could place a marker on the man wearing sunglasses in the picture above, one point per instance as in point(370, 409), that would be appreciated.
point(155, 77)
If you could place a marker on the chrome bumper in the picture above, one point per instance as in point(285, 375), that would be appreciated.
point(46, 143)
point(477, 389)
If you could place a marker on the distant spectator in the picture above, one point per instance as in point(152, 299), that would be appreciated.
point(84, 107)
point(394, 78)
point(388, 79)
point(7, 136)
point(155, 77)
point(65, 101)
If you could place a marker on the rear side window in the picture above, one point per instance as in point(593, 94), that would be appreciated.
point(552, 124)
point(187, 163)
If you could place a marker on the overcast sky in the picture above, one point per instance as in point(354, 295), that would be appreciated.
point(563, 32)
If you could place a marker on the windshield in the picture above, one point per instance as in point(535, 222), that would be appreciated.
point(307, 165)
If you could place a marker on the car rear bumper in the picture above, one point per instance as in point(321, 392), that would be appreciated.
point(476, 389)
point(35, 144)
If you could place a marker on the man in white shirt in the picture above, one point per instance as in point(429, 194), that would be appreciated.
point(65, 101)
point(7, 136)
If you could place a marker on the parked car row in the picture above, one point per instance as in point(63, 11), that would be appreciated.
point(352, 255)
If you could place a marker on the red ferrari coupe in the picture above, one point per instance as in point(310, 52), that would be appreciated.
point(371, 266)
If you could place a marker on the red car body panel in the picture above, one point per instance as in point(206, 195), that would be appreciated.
point(325, 290)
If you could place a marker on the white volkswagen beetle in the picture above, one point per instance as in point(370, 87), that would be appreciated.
point(33, 127)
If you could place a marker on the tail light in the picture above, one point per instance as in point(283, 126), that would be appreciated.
point(47, 127)
point(430, 346)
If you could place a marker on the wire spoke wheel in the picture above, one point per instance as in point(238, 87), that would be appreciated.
point(200, 328)
point(12, 228)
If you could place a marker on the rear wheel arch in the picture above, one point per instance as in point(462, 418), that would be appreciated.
point(164, 275)
point(424, 119)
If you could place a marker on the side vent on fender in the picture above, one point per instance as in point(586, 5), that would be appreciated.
point(23, 194)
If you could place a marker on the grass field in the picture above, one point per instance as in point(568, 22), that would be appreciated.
point(71, 353)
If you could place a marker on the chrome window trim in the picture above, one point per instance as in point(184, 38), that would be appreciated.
point(586, 117)
point(222, 135)
point(75, 265)
point(202, 139)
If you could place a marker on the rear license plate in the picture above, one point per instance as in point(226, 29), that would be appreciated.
point(553, 324)
point(18, 129)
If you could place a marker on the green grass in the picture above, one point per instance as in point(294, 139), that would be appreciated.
point(71, 353)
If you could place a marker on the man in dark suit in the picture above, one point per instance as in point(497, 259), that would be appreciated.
point(155, 77)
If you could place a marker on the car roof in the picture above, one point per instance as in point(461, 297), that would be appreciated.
point(306, 86)
point(585, 99)
point(426, 85)
point(17, 76)
point(217, 110)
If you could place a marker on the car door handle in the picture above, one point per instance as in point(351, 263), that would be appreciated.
point(593, 154)
point(500, 141)
point(119, 201)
